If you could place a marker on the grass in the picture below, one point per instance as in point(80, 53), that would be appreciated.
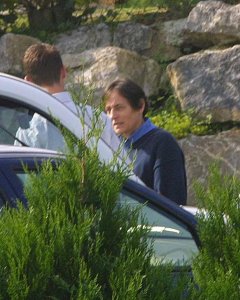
point(94, 15)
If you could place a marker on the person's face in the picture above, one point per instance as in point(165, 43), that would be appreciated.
point(125, 119)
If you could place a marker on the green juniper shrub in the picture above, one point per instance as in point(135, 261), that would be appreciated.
point(74, 241)
point(217, 267)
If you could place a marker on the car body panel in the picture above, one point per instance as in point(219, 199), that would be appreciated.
point(19, 91)
point(26, 96)
point(16, 91)
point(172, 229)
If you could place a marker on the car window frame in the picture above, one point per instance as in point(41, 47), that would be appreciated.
point(164, 206)
point(70, 120)
point(9, 168)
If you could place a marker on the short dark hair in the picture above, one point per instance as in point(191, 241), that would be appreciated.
point(129, 90)
point(43, 63)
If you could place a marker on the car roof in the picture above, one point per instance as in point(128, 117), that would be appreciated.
point(10, 151)
point(47, 105)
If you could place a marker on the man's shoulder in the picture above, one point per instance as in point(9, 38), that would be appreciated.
point(157, 137)
point(161, 133)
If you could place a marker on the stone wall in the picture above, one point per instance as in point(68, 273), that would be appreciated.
point(204, 51)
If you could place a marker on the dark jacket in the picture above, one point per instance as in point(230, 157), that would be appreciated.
point(160, 163)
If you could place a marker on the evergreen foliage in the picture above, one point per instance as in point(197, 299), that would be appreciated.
point(74, 241)
point(216, 269)
point(179, 123)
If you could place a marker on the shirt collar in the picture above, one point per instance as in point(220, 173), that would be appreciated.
point(63, 97)
point(141, 131)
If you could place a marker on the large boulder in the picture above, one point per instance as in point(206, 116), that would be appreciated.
point(12, 48)
point(170, 40)
point(209, 83)
point(98, 67)
point(84, 38)
point(201, 151)
point(161, 42)
point(213, 23)
point(133, 36)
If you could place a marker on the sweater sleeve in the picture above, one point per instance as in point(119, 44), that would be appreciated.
point(169, 171)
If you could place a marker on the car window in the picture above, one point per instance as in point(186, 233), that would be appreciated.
point(23, 177)
point(171, 239)
point(20, 125)
point(10, 121)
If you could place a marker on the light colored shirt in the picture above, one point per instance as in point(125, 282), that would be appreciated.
point(66, 99)
point(43, 134)
point(141, 131)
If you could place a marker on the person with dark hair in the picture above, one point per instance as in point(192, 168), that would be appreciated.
point(158, 159)
point(43, 66)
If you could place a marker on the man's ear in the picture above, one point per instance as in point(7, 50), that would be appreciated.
point(142, 105)
point(28, 78)
point(63, 73)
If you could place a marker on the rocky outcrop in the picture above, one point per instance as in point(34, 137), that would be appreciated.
point(133, 36)
point(213, 23)
point(98, 67)
point(12, 48)
point(209, 83)
point(84, 38)
point(202, 151)
point(164, 38)
point(170, 37)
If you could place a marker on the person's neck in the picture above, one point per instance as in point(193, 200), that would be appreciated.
point(129, 134)
point(53, 89)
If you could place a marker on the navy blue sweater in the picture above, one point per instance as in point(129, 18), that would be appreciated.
point(159, 162)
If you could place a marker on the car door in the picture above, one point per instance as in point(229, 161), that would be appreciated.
point(13, 177)
point(172, 230)
point(8, 195)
